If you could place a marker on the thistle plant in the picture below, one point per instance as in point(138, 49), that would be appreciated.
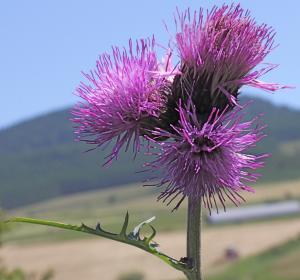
point(188, 116)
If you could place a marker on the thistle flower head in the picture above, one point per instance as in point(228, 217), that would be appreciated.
point(219, 53)
point(123, 93)
point(188, 111)
point(208, 160)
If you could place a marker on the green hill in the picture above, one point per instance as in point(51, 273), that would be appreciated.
point(39, 158)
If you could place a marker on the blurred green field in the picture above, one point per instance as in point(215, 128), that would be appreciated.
point(279, 263)
point(109, 208)
point(106, 206)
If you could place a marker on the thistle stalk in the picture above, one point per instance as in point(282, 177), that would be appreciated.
point(194, 239)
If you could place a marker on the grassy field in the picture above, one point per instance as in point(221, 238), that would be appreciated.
point(279, 263)
point(110, 206)
point(35, 247)
point(88, 258)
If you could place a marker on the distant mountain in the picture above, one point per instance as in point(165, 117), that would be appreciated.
point(39, 158)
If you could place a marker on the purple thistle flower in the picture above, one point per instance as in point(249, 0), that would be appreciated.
point(207, 160)
point(187, 110)
point(125, 93)
point(219, 53)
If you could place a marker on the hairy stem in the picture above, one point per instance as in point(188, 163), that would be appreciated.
point(194, 239)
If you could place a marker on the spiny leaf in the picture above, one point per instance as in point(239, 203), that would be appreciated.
point(125, 225)
point(150, 238)
point(98, 227)
point(132, 239)
point(100, 231)
point(137, 229)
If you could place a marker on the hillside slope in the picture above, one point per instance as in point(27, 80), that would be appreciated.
point(39, 158)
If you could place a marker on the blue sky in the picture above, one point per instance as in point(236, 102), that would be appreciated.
point(46, 44)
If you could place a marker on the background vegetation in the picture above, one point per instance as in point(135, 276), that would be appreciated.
point(45, 173)
point(39, 158)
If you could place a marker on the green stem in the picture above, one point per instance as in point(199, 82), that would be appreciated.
point(194, 239)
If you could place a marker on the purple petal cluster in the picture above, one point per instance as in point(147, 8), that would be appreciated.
point(219, 52)
point(190, 112)
point(208, 160)
point(124, 91)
